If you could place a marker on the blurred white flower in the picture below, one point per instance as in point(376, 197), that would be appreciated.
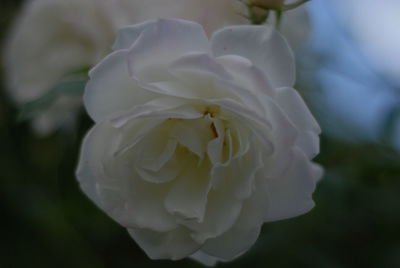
point(50, 39)
point(197, 143)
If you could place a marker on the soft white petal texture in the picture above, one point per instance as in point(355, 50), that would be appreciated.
point(111, 90)
point(284, 134)
point(188, 196)
point(129, 34)
point(291, 194)
point(300, 116)
point(89, 171)
point(247, 75)
point(173, 245)
point(244, 233)
point(160, 44)
point(204, 258)
point(116, 194)
point(263, 46)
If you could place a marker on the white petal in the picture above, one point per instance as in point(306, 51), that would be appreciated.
point(221, 213)
point(290, 195)
point(263, 46)
point(89, 169)
point(161, 44)
point(172, 245)
point(318, 172)
point(193, 134)
point(112, 184)
point(199, 63)
point(188, 195)
point(238, 177)
point(283, 136)
point(158, 109)
point(245, 231)
point(247, 75)
point(129, 34)
point(204, 258)
point(260, 126)
point(111, 90)
point(300, 116)
point(143, 206)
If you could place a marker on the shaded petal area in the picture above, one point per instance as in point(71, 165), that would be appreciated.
point(300, 116)
point(162, 43)
point(290, 194)
point(245, 231)
point(110, 89)
point(263, 46)
point(172, 245)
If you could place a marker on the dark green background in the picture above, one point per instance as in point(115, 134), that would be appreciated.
point(47, 222)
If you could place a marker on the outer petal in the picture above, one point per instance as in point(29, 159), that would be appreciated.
point(204, 258)
point(295, 108)
point(122, 195)
point(110, 89)
point(283, 135)
point(172, 245)
point(245, 231)
point(290, 195)
point(129, 34)
point(89, 169)
point(263, 46)
point(160, 44)
point(222, 212)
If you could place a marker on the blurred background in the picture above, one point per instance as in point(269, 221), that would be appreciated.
point(349, 74)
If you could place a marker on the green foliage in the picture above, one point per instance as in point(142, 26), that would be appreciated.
point(72, 86)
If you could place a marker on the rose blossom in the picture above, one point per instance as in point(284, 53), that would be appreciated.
point(198, 142)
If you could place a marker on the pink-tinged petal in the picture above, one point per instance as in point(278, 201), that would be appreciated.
point(290, 194)
point(111, 90)
point(263, 46)
point(173, 245)
point(300, 116)
point(161, 44)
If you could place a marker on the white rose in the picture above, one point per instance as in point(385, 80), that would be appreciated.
point(197, 143)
